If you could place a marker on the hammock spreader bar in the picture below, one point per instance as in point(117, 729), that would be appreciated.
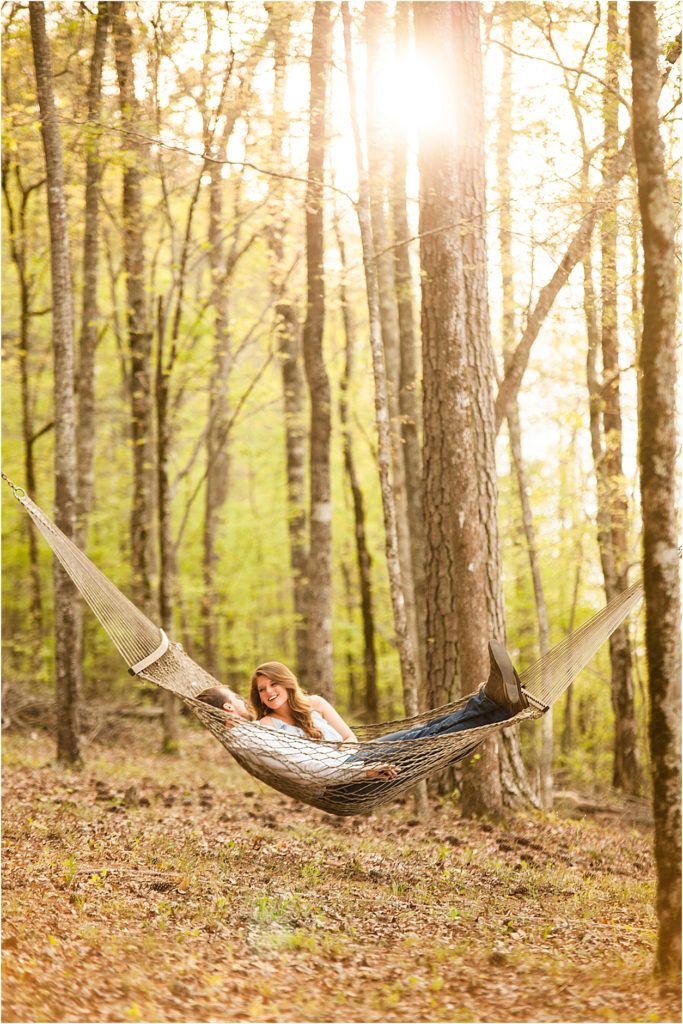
point(302, 768)
point(136, 669)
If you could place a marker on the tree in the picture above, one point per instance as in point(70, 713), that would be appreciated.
point(319, 601)
point(90, 325)
point(67, 603)
point(504, 143)
point(658, 445)
point(139, 334)
point(627, 775)
point(382, 415)
point(379, 159)
point(289, 348)
point(463, 561)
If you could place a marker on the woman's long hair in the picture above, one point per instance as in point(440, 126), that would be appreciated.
point(298, 702)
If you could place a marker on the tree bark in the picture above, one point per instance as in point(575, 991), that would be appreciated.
point(379, 156)
point(319, 604)
point(626, 769)
point(463, 561)
point(67, 603)
point(409, 376)
point(658, 444)
point(90, 309)
point(17, 236)
point(289, 347)
point(403, 640)
point(364, 561)
point(139, 334)
point(505, 134)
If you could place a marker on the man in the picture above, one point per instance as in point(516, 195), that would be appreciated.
point(324, 765)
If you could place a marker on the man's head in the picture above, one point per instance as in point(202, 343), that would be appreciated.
point(227, 700)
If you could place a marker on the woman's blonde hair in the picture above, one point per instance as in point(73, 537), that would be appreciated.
point(299, 703)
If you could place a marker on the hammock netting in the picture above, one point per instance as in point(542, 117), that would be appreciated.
point(317, 772)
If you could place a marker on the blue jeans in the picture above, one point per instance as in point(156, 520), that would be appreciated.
point(479, 710)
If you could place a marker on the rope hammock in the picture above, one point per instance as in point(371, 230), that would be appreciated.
point(319, 773)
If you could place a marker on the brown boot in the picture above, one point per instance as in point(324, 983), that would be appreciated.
point(503, 684)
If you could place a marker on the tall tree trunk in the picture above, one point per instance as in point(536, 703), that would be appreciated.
point(90, 309)
point(626, 769)
point(379, 156)
point(139, 334)
point(67, 604)
point(409, 377)
point(405, 650)
point(319, 604)
point(289, 347)
point(658, 443)
point(463, 561)
point(217, 456)
point(170, 737)
point(17, 236)
point(505, 130)
point(370, 703)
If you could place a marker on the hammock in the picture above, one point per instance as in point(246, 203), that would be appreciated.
point(317, 772)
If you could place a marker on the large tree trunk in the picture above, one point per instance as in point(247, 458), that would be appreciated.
point(463, 561)
point(319, 604)
point(289, 347)
point(370, 703)
point(90, 309)
point(139, 334)
point(658, 443)
point(67, 603)
point(626, 769)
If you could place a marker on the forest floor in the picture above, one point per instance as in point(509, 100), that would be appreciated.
point(156, 888)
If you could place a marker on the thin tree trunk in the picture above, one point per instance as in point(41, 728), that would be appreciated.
point(370, 703)
point(319, 604)
point(217, 456)
point(626, 768)
point(289, 347)
point(139, 334)
point(17, 236)
point(90, 309)
point(379, 156)
point(508, 330)
point(67, 603)
point(169, 704)
point(405, 651)
point(658, 444)
point(409, 377)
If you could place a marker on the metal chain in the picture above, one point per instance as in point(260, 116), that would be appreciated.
point(18, 492)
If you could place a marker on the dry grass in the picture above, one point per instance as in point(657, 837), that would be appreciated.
point(176, 889)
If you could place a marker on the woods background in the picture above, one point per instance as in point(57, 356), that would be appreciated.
point(325, 347)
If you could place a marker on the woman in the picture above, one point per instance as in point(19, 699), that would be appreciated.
point(280, 703)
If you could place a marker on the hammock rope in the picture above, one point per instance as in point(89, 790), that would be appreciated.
point(319, 773)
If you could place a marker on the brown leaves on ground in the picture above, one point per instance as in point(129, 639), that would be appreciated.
point(172, 889)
